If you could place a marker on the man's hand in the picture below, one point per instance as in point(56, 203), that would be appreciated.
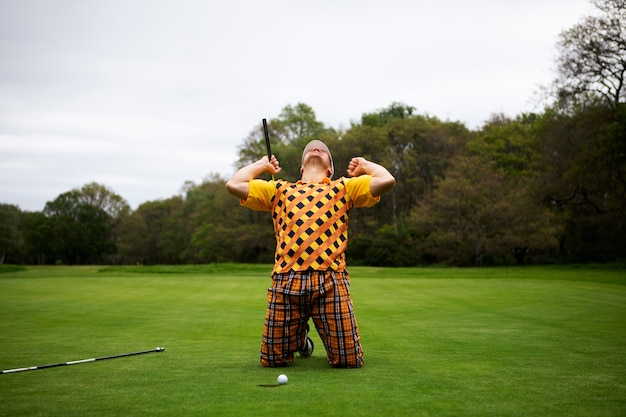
point(238, 184)
point(272, 167)
point(356, 166)
point(382, 180)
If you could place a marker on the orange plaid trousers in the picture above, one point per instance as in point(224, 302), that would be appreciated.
point(293, 299)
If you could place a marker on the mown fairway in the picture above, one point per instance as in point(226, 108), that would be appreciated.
point(535, 341)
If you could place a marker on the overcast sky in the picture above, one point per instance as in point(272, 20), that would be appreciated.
point(143, 95)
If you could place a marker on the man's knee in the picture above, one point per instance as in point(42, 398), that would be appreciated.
point(273, 364)
point(275, 360)
point(349, 361)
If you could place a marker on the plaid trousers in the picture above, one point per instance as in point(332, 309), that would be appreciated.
point(323, 296)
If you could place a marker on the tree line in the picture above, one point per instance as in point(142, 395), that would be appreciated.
point(537, 187)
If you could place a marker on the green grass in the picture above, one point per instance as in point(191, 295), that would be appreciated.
point(534, 341)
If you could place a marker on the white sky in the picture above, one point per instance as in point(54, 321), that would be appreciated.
point(142, 95)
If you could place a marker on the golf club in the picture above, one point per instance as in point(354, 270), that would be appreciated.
point(33, 368)
point(267, 141)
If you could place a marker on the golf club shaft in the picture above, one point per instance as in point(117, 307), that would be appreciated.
point(267, 142)
point(267, 139)
point(34, 368)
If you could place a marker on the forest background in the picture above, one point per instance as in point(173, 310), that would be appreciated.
point(546, 187)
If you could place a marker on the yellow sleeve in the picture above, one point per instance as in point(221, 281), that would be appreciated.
point(358, 188)
point(260, 194)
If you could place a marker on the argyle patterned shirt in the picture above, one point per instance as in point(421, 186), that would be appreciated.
point(310, 219)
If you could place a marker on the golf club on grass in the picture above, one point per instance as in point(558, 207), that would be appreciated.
point(54, 365)
point(267, 142)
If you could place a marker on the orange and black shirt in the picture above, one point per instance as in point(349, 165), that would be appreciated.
point(310, 219)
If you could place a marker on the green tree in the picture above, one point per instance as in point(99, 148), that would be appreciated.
point(35, 229)
point(415, 148)
point(584, 177)
point(116, 207)
point(221, 230)
point(133, 247)
point(10, 232)
point(381, 117)
point(298, 122)
point(155, 233)
point(99, 195)
point(511, 145)
point(78, 232)
point(583, 146)
point(478, 213)
point(79, 226)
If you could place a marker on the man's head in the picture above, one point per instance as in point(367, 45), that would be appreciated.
point(319, 148)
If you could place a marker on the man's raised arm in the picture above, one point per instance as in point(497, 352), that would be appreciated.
point(382, 180)
point(238, 184)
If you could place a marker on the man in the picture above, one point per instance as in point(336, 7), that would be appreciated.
point(309, 278)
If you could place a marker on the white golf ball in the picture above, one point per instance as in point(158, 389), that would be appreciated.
point(282, 379)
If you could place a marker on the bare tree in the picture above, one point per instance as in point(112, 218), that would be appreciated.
point(592, 57)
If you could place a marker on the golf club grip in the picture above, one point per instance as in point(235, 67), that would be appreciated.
point(267, 139)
